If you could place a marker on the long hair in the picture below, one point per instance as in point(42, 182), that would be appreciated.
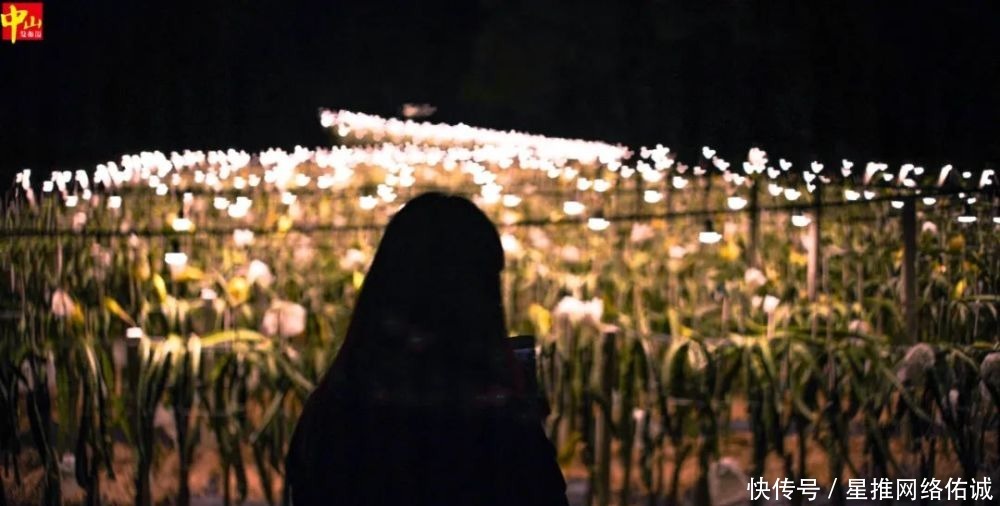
point(424, 378)
point(429, 319)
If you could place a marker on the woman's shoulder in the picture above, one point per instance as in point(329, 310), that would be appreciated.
point(535, 476)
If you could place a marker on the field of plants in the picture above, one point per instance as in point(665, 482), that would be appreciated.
point(756, 317)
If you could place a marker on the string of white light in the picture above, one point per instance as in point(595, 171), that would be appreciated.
point(503, 167)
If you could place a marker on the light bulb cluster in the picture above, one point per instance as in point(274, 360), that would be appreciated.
point(367, 126)
point(510, 172)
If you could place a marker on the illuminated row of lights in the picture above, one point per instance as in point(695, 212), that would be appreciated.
point(492, 193)
point(159, 171)
point(403, 176)
point(280, 169)
point(361, 125)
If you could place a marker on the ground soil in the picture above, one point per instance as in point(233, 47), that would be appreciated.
point(206, 471)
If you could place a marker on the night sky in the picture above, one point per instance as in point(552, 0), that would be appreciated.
point(894, 81)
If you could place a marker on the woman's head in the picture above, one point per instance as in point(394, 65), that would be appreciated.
point(429, 315)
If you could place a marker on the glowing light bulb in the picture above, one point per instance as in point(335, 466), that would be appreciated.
point(573, 208)
point(134, 333)
point(326, 119)
point(598, 224)
point(986, 178)
point(943, 176)
point(510, 244)
point(896, 204)
point(511, 200)
point(652, 196)
point(288, 198)
point(243, 237)
point(709, 237)
point(368, 202)
point(114, 202)
point(71, 200)
point(736, 203)
point(792, 194)
point(237, 211)
point(801, 220)
point(176, 259)
point(182, 225)
point(851, 195)
point(929, 201)
point(967, 216)
point(490, 193)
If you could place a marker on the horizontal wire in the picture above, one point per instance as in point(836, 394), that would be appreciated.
point(330, 227)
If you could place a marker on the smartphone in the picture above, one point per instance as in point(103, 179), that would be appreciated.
point(524, 354)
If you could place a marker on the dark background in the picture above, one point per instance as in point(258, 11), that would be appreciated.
point(894, 81)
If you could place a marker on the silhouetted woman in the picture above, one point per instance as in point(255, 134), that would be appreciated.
point(423, 404)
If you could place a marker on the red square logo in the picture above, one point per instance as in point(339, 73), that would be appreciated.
point(21, 21)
